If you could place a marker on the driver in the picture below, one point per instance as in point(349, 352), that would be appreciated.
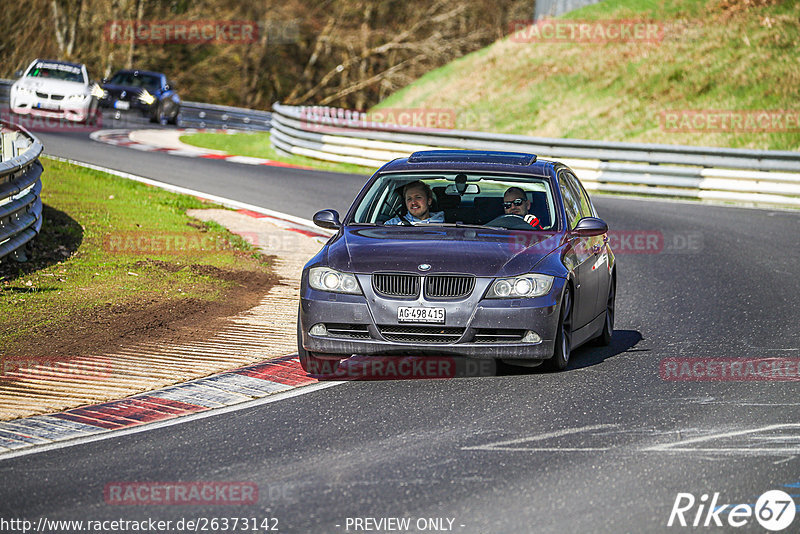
point(418, 198)
point(515, 202)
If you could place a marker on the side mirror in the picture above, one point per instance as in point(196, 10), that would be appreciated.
point(590, 226)
point(327, 219)
point(18, 74)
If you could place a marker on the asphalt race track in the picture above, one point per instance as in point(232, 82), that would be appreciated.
point(606, 446)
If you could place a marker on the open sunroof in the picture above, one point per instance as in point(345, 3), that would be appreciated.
point(472, 156)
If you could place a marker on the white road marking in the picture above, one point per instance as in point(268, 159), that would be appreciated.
point(302, 390)
point(183, 190)
point(681, 446)
point(505, 445)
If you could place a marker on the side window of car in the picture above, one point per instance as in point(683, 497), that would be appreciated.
point(571, 203)
point(580, 194)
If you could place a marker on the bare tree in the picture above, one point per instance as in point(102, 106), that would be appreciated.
point(66, 15)
point(350, 53)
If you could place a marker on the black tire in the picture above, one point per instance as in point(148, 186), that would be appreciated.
point(311, 363)
point(316, 366)
point(563, 345)
point(174, 119)
point(604, 339)
point(158, 115)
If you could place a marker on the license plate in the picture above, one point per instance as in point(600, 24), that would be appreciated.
point(420, 314)
point(119, 104)
point(48, 106)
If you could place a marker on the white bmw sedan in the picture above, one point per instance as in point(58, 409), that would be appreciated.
point(54, 89)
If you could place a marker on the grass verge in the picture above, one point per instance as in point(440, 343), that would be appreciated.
point(715, 56)
point(257, 145)
point(117, 258)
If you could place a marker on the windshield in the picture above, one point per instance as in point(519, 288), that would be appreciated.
point(57, 71)
point(512, 202)
point(148, 81)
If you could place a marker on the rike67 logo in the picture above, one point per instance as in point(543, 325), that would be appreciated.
point(774, 510)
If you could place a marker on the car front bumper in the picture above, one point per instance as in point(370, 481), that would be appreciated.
point(128, 106)
point(474, 327)
point(72, 111)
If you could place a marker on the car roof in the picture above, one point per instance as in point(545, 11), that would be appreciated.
point(470, 160)
point(57, 62)
point(139, 71)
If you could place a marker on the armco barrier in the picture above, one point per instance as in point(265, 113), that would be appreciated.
point(200, 115)
point(723, 174)
point(5, 87)
point(20, 188)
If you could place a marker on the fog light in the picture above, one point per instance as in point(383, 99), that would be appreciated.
point(318, 330)
point(531, 337)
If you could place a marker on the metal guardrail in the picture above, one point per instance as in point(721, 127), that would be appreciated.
point(20, 189)
point(723, 174)
point(5, 88)
point(200, 115)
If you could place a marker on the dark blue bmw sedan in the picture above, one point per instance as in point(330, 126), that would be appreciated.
point(456, 252)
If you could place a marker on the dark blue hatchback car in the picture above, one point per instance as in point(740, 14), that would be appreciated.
point(455, 252)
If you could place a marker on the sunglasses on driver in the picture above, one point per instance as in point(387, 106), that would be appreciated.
point(516, 202)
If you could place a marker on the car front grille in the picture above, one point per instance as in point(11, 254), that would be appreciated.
point(448, 285)
point(421, 334)
point(42, 95)
point(350, 331)
point(498, 335)
point(57, 97)
point(396, 284)
point(436, 285)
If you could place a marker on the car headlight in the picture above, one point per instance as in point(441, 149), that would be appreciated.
point(327, 279)
point(146, 98)
point(99, 92)
point(76, 98)
point(23, 90)
point(525, 286)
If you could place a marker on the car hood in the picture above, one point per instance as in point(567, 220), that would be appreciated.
point(479, 251)
point(60, 87)
point(131, 90)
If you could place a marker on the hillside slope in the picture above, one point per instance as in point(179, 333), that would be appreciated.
point(719, 55)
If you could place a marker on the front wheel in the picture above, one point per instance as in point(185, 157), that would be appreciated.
point(563, 346)
point(312, 363)
point(316, 366)
point(158, 116)
point(175, 117)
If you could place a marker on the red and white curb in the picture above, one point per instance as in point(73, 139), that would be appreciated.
point(213, 393)
point(267, 381)
point(127, 138)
